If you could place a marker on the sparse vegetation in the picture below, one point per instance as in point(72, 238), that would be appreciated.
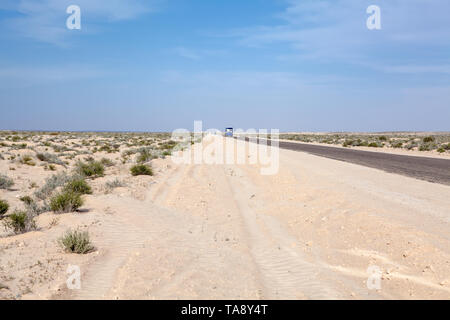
point(5, 182)
point(27, 160)
point(50, 158)
point(439, 142)
point(4, 206)
point(90, 169)
point(111, 185)
point(141, 170)
point(78, 185)
point(55, 181)
point(106, 162)
point(66, 201)
point(75, 241)
point(19, 222)
point(26, 199)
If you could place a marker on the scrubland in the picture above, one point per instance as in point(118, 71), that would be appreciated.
point(426, 142)
point(141, 226)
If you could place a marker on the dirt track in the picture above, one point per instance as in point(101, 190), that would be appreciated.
point(428, 169)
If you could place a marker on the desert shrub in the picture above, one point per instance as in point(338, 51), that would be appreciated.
point(428, 139)
point(50, 158)
point(90, 169)
point(4, 206)
point(66, 201)
point(76, 242)
point(347, 143)
point(55, 181)
point(20, 222)
point(441, 150)
point(28, 160)
point(146, 154)
point(106, 162)
point(382, 138)
point(141, 170)
point(427, 147)
point(26, 199)
point(397, 144)
point(374, 145)
point(110, 185)
point(78, 185)
point(5, 182)
point(18, 146)
point(34, 209)
point(411, 145)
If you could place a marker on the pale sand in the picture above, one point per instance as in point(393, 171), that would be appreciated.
point(227, 232)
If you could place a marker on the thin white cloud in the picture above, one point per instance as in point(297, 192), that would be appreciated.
point(335, 31)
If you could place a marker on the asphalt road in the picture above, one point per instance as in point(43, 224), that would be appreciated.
point(424, 168)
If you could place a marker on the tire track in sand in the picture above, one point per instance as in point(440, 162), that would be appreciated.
point(284, 271)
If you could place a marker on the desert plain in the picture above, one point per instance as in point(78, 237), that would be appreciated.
point(317, 229)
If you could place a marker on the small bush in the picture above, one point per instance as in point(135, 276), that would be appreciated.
point(50, 158)
point(78, 185)
point(373, 145)
point(146, 154)
point(26, 199)
point(20, 222)
point(4, 206)
point(55, 181)
point(76, 242)
point(106, 162)
point(34, 209)
point(65, 202)
point(397, 144)
point(28, 160)
point(426, 147)
point(91, 169)
point(428, 139)
point(111, 185)
point(347, 143)
point(141, 170)
point(5, 182)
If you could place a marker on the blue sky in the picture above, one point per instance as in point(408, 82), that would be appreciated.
point(157, 65)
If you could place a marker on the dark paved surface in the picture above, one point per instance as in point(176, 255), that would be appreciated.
point(429, 169)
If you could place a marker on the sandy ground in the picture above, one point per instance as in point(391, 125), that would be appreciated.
point(227, 232)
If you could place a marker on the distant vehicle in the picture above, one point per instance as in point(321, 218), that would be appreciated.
point(228, 132)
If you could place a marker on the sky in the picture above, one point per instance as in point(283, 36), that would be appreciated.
point(158, 65)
